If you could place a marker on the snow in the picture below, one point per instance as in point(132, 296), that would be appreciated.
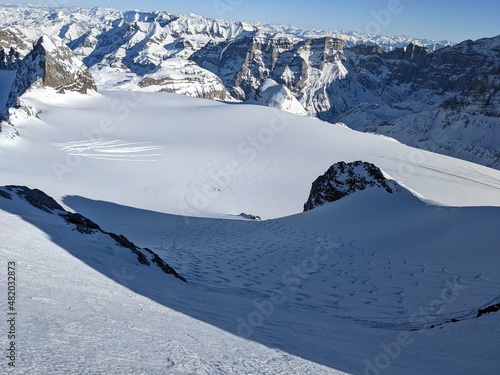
point(274, 95)
point(48, 44)
point(323, 292)
point(353, 286)
point(75, 317)
point(6, 79)
point(204, 158)
point(136, 43)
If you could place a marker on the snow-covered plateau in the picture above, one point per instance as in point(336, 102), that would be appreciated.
point(147, 232)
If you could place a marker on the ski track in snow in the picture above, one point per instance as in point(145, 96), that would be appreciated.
point(111, 150)
point(245, 262)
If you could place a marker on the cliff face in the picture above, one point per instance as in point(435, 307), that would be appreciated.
point(187, 78)
point(49, 64)
point(446, 101)
point(244, 63)
point(9, 59)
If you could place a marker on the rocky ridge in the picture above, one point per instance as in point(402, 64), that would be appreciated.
point(42, 201)
point(50, 63)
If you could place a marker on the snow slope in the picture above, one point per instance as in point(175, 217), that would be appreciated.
point(82, 312)
point(196, 157)
point(351, 286)
point(398, 88)
point(332, 287)
point(274, 95)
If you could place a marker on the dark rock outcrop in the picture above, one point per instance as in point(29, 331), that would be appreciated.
point(5, 195)
point(343, 179)
point(487, 310)
point(9, 59)
point(37, 198)
point(42, 201)
point(164, 266)
point(83, 225)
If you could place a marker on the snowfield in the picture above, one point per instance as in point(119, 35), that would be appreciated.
point(74, 319)
point(350, 287)
point(182, 155)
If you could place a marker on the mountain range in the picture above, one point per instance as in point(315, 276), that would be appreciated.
point(432, 95)
point(180, 195)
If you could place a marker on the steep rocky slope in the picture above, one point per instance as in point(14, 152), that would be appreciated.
point(49, 64)
point(445, 101)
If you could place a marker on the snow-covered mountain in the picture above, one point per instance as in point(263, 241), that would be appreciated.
point(49, 64)
point(445, 101)
point(439, 99)
point(272, 94)
point(172, 174)
point(327, 291)
point(399, 275)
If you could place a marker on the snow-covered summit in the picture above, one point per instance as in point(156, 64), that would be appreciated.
point(275, 95)
point(68, 20)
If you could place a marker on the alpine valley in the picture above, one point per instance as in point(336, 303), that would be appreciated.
point(182, 195)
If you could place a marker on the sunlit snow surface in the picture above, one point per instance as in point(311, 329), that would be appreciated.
point(206, 158)
point(326, 290)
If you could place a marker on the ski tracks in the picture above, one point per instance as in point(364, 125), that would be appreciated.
point(252, 260)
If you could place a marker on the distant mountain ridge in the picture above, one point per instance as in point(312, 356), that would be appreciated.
point(102, 18)
point(444, 100)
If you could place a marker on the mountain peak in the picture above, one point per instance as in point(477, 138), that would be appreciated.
point(50, 64)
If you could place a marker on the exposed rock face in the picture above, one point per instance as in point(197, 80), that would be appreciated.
point(10, 38)
point(49, 64)
point(9, 59)
point(343, 179)
point(447, 101)
point(42, 201)
point(487, 310)
point(244, 63)
point(37, 198)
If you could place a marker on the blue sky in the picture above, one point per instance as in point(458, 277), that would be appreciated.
point(455, 20)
